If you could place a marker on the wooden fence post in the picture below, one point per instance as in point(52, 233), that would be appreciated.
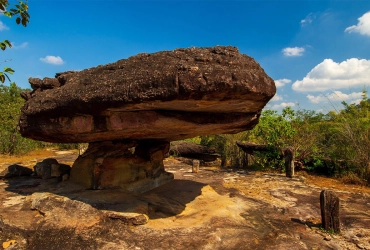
point(329, 203)
point(245, 162)
point(289, 161)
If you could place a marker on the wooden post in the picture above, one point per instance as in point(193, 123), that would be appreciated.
point(245, 160)
point(223, 161)
point(196, 166)
point(329, 203)
point(289, 161)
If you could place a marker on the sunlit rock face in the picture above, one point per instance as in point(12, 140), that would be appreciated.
point(159, 97)
point(134, 166)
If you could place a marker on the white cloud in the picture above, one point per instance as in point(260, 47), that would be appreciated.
point(293, 51)
point(283, 105)
point(309, 18)
point(22, 46)
point(3, 26)
point(335, 96)
point(363, 26)
point(57, 60)
point(276, 98)
point(281, 82)
point(331, 75)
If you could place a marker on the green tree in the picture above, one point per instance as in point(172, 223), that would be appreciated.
point(225, 144)
point(308, 127)
point(11, 142)
point(275, 129)
point(20, 12)
point(352, 138)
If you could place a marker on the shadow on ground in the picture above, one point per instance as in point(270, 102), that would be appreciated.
point(167, 200)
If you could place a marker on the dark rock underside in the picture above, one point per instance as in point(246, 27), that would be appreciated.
point(159, 125)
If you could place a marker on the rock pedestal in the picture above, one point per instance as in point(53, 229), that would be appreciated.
point(289, 161)
point(135, 166)
point(196, 164)
point(329, 204)
point(129, 110)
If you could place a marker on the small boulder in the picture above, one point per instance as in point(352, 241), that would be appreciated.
point(60, 211)
point(14, 171)
point(50, 167)
point(59, 170)
point(127, 217)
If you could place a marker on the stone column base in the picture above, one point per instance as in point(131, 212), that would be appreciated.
point(133, 166)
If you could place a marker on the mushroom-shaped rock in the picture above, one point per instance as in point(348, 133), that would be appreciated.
point(149, 98)
point(193, 151)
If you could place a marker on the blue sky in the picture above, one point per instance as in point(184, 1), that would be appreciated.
point(318, 52)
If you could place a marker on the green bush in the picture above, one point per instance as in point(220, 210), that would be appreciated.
point(11, 142)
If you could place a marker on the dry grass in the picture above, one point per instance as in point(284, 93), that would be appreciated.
point(339, 184)
point(37, 154)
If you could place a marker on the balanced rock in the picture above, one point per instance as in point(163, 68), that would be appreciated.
point(168, 95)
point(193, 151)
point(148, 98)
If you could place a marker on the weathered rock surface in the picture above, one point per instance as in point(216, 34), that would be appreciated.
point(57, 208)
point(130, 110)
point(193, 151)
point(214, 209)
point(167, 96)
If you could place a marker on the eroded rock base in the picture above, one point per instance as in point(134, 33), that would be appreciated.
point(134, 166)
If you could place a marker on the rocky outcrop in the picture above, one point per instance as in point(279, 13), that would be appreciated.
point(212, 210)
point(250, 148)
point(169, 95)
point(130, 110)
point(193, 151)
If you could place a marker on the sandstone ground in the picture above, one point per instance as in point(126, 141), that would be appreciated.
point(211, 209)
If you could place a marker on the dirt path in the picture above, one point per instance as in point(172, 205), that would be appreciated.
point(213, 209)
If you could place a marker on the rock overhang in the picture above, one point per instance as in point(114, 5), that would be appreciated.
point(167, 96)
